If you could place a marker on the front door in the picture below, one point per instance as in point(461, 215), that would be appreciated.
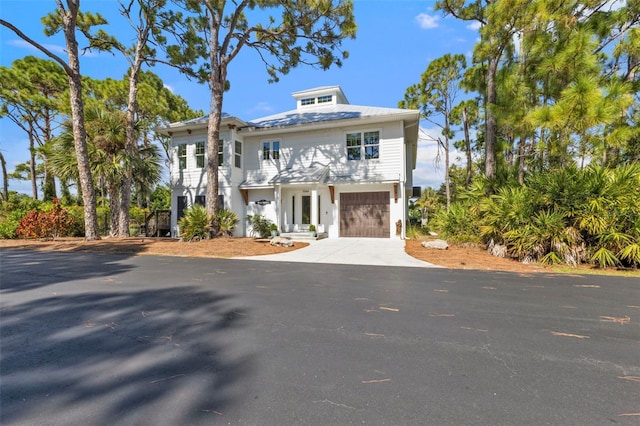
point(306, 209)
point(299, 209)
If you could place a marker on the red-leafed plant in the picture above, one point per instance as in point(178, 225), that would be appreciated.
point(46, 224)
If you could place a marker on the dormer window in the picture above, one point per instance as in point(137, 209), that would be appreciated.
point(320, 96)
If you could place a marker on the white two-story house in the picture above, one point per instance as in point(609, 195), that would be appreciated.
point(345, 168)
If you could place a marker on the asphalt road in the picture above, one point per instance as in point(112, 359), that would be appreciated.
point(90, 339)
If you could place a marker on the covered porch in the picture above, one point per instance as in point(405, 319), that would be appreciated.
point(297, 201)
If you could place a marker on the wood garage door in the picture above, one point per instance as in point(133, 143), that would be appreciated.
point(364, 214)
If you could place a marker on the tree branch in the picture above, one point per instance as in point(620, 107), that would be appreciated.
point(38, 46)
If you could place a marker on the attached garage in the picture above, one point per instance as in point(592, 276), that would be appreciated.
point(365, 214)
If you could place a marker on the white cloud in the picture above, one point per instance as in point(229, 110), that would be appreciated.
point(427, 21)
point(54, 48)
point(474, 26)
point(260, 108)
point(169, 88)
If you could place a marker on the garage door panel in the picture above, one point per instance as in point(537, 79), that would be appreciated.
point(364, 214)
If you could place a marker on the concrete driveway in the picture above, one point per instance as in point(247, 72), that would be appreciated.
point(351, 251)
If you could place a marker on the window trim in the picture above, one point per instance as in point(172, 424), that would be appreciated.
point(221, 152)
point(271, 150)
point(307, 101)
point(182, 157)
point(325, 99)
point(364, 154)
point(200, 156)
point(237, 154)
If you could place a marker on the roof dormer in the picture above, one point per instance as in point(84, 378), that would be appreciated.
point(327, 95)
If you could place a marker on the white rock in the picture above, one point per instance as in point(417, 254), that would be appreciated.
point(435, 244)
point(281, 241)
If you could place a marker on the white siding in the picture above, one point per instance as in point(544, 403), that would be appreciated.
point(328, 147)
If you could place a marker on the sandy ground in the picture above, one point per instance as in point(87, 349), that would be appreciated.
point(456, 257)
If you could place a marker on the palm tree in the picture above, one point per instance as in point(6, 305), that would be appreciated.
point(105, 137)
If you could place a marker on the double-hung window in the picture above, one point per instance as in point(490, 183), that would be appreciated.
point(200, 155)
point(363, 145)
point(220, 152)
point(182, 157)
point(371, 145)
point(238, 154)
point(271, 150)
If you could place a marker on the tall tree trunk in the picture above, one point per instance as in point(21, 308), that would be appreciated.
point(69, 16)
point(447, 178)
point(130, 151)
point(91, 231)
point(522, 151)
point(491, 125)
point(213, 134)
point(467, 146)
point(217, 79)
point(5, 179)
point(64, 192)
point(32, 165)
point(114, 208)
point(49, 188)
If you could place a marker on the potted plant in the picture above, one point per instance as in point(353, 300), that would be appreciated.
point(274, 229)
point(312, 230)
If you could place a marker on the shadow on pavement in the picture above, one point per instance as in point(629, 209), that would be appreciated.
point(29, 270)
point(168, 356)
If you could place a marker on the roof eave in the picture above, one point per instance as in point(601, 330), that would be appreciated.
point(406, 116)
point(185, 127)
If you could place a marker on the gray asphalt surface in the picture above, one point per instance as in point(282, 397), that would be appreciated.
point(89, 339)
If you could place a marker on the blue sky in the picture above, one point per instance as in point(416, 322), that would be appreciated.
point(395, 42)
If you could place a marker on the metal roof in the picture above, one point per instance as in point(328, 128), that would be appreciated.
point(326, 113)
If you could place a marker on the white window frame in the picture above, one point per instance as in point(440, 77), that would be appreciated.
point(325, 99)
point(202, 155)
point(271, 150)
point(237, 153)
point(364, 149)
point(182, 157)
point(307, 101)
point(221, 152)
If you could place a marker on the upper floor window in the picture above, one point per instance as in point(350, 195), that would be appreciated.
point(324, 99)
point(238, 154)
point(271, 150)
point(182, 157)
point(307, 101)
point(363, 145)
point(200, 155)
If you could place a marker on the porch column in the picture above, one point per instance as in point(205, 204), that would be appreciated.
point(314, 206)
point(278, 199)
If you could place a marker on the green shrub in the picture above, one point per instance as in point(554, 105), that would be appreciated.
point(138, 214)
point(260, 226)
point(9, 224)
point(459, 224)
point(195, 223)
point(225, 222)
point(77, 229)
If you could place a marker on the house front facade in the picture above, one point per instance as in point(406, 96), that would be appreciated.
point(347, 169)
